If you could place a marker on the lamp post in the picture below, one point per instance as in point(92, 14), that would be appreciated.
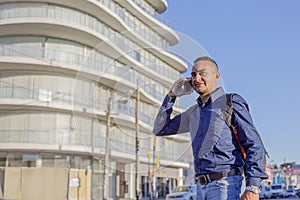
point(137, 177)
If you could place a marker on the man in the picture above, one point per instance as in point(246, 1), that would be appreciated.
point(218, 162)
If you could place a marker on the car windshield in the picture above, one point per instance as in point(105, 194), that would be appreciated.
point(276, 187)
point(182, 189)
point(290, 188)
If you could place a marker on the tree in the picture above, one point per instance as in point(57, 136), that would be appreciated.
point(287, 164)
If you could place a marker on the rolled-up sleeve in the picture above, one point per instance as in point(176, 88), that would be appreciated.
point(251, 141)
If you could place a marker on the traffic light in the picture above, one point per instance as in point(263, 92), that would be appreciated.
point(157, 162)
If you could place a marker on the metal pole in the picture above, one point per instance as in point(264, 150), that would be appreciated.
point(69, 169)
point(137, 177)
point(154, 165)
point(149, 190)
point(105, 175)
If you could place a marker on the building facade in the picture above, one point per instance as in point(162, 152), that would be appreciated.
point(70, 71)
point(288, 176)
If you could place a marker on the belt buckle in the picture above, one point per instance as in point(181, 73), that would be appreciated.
point(202, 179)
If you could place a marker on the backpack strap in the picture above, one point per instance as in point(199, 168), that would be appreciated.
point(228, 118)
point(233, 128)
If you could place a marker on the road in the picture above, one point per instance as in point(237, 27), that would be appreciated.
point(290, 198)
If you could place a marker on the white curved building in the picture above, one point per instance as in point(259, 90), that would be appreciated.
point(60, 61)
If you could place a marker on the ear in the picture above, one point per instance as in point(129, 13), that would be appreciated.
point(218, 75)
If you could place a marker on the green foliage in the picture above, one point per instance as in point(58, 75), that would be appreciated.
point(287, 164)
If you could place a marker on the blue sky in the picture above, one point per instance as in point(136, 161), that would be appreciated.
point(257, 46)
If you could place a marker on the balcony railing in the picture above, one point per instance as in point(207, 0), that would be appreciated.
point(149, 10)
point(18, 92)
point(75, 138)
point(133, 22)
point(78, 18)
point(92, 62)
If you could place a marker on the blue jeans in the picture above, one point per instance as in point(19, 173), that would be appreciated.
point(228, 188)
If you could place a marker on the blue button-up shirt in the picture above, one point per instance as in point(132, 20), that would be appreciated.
point(214, 147)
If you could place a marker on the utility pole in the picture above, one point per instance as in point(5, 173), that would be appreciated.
point(105, 175)
point(137, 177)
point(153, 170)
point(149, 174)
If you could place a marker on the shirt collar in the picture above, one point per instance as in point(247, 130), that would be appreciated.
point(212, 97)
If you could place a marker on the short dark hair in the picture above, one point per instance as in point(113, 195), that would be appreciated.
point(206, 58)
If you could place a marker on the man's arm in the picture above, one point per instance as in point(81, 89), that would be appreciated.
point(250, 139)
point(164, 125)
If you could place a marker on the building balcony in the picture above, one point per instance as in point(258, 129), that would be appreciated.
point(74, 142)
point(42, 14)
point(159, 5)
point(45, 59)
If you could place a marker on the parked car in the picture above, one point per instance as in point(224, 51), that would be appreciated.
point(298, 192)
point(278, 190)
point(185, 192)
point(265, 191)
point(291, 191)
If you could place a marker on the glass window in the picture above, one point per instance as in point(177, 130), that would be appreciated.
point(83, 130)
point(80, 162)
point(23, 47)
point(54, 160)
point(30, 160)
point(99, 131)
point(3, 159)
point(14, 160)
point(64, 50)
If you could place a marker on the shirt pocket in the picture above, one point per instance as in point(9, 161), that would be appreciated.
point(218, 119)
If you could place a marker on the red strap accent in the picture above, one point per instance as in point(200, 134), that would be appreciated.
point(235, 133)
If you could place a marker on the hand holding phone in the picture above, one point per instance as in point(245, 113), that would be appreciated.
point(188, 87)
point(181, 87)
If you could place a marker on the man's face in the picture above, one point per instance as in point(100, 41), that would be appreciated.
point(204, 77)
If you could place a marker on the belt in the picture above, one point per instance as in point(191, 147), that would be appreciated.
point(204, 179)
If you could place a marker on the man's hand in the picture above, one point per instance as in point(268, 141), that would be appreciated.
point(178, 88)
point(247, 195)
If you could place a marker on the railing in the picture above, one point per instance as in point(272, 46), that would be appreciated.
point(130, 149)
point(75, 17)
point(67, 137)
point(147, 8)
point(18, 92)
point(145, 32)
point(93, 62)
point(74, 138)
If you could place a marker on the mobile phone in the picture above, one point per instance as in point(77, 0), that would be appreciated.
point(188, 85)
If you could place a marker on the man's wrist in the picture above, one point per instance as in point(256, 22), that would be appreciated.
point(253, 188)
point(171, 95)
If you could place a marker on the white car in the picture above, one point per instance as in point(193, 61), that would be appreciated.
point(265, 192)
point(278, 190)
point(185, 192)
point(291, 191)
